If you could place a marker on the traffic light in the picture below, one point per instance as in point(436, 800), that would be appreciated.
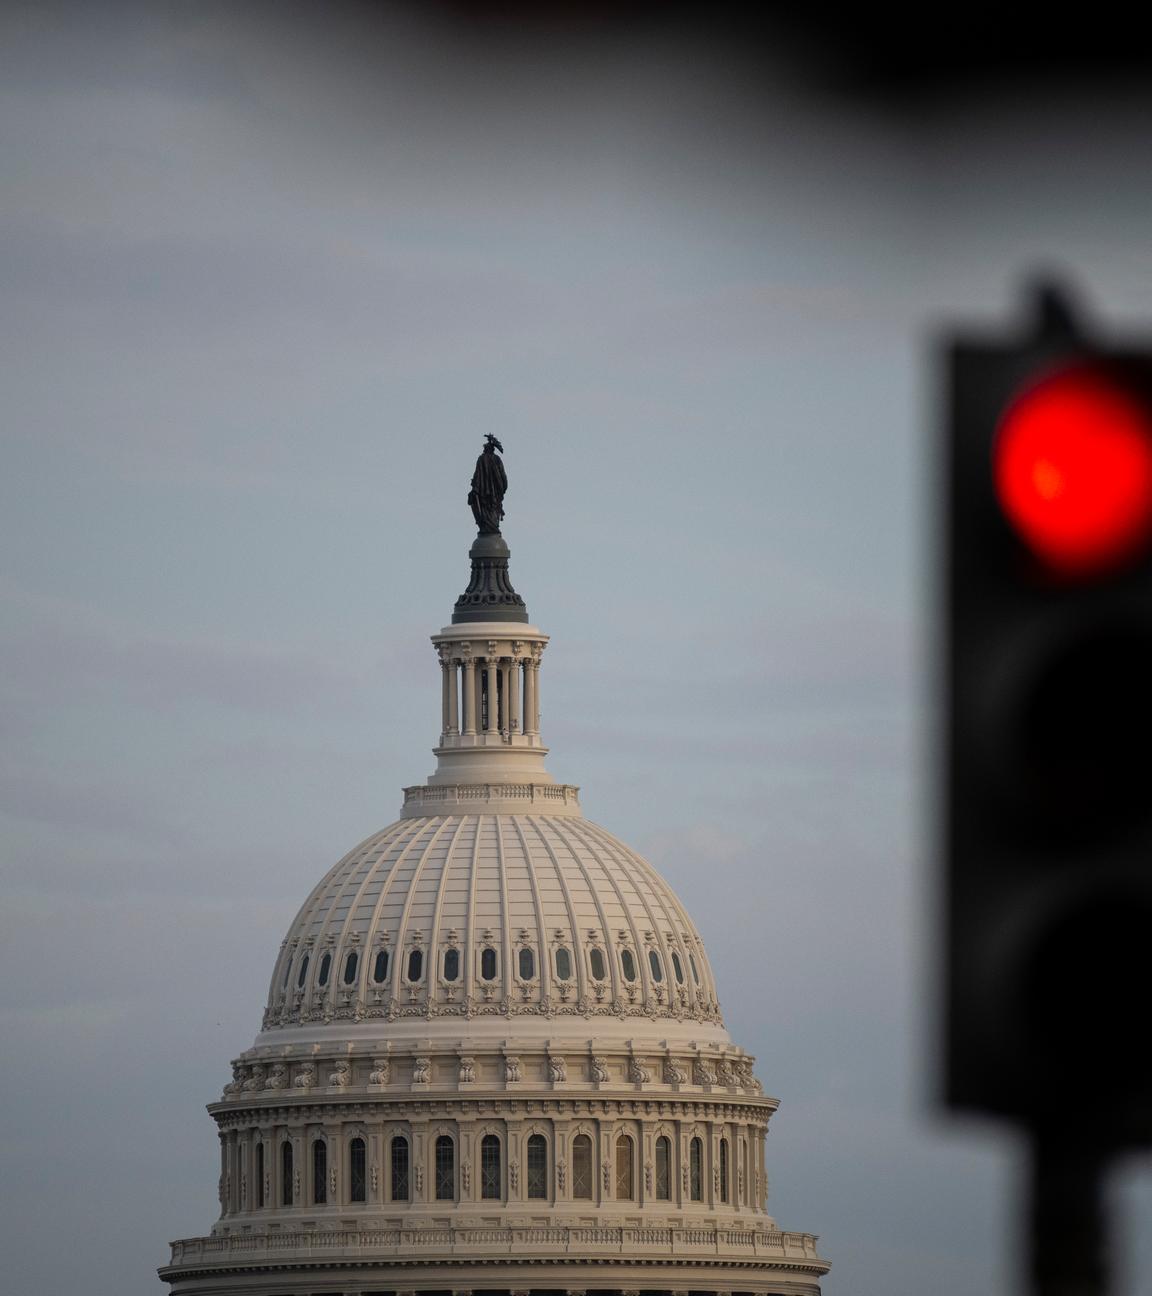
point(1048, 789)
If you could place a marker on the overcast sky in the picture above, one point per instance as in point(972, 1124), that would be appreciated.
point(266, 284)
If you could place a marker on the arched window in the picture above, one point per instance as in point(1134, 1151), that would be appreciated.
point(357, 1178)
point(325, 968)
point(627, 965)
point(742, 1178)
point(445, 1169)
point(625, 1186)
point(286, 1173)
point(696, 1170)
point(695, 970)
point(415, 965)
point(380, 967)
point(596, 963)
point(399, 1168)
point(724, 1170)
point(451, 965)
point(656, 966)
point(351, 963)
point(527, 964)
point(678, 968)
point(582, 1168)
point(303, 972)
point(488, 964)
point(259, 1174)
point(319, 1172)
point(537, 1168)
point(663, 1169)
point(491, 1178)
point(563, 964)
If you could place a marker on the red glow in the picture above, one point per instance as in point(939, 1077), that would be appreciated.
point(1073, 470)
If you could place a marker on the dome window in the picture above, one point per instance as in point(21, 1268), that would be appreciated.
point(695, 970)
point(628, 965)
point(678, 968)
point(399, 1159)
point(445, 1169)
point(537, 1168)
point(596, 963)
point(655, 965)
point(487, 964)
point(357, 1178)
point(350, 965)
point(696, 1170)
point(582, 1168)
point(527, 964)
point(286, 1173)
point(259, 1174)
point(563, 964)
point(490, 1174)
point(415, 965)
point(724, 1170)
point(303, 972)
point(663, 1169)
point(625, 1187)
point(380, 967)
point(319, 1172)
point(325, 968)
point(451, 965)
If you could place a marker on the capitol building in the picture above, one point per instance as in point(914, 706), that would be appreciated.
point(493, 1058)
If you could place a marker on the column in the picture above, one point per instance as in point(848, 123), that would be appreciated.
point(469, 669)
point(514, 697)
point(445, 670)
point(490, 670)
point(453, 707)
point(531, 724)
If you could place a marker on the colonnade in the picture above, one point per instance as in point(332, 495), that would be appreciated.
point(489, 697)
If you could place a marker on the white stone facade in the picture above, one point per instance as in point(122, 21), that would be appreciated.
point(492, 1057)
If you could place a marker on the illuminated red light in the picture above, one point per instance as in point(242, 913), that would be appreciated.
point(1072, 466)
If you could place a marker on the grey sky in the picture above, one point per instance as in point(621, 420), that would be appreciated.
point(267, 282)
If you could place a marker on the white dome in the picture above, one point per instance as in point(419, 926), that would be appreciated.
point(516, 923)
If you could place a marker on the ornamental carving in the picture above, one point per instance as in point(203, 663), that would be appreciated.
point(277, 1076)
point(467, 1070)
point(648, 1177)
point(305, 1077)
point(381, 1071)
point(724, 1072)
point(234, 1087)
point(561, 1174)
point(341, 1076)
point(422, 1070)
point(637, 1073)
point(672, 1073)
point(255, 1079)
point(600, 1070)
point(514, 1176)
point(512, 1070)
point(702, 1073)
point(607, 1176)
point(374, 1176)
point(557, 1069)
point(419, 1175)
point(466, 1176)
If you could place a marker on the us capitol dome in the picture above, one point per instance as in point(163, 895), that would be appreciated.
point(492, 1058)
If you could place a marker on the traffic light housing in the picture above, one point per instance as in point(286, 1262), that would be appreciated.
point(1048, 682)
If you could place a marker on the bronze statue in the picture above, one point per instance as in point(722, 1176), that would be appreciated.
point(489, 482)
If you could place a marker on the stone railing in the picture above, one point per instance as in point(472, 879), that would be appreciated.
point(523, 798)
point(637, 1244)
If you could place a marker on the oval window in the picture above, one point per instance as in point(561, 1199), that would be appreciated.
point(677, 967)
point(380, 968)
point(563, 964)
point(303, 970)
point(692, 965)
point(654, 964)
point(596, 962)
point(325, 968)
point(350, 965)
point(488, 964)
point(627, 965)
point(527, 963)
point(451, 965)
point(415, 965)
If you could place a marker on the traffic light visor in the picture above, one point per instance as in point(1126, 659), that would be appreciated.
point(1072, 466)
